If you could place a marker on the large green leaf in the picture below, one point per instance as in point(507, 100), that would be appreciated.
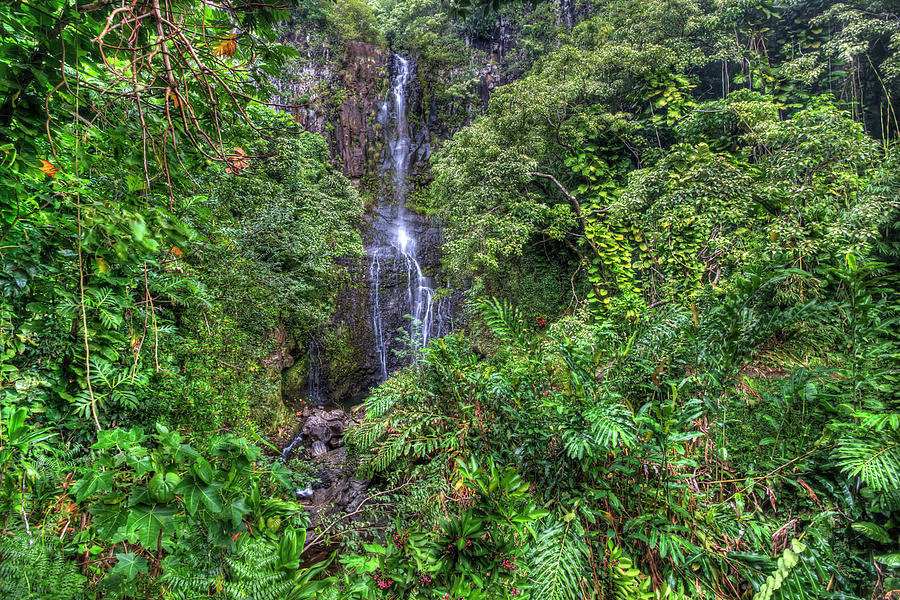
point(872, 531)
point(162, 486)
point(235, 510)
point(110, 521)
point(204, 470)
point(146, 523)
point(194, 493)
point(92, 482)
point(141, 464)
point(130, 565)
point(120, 580)
point(891, 560)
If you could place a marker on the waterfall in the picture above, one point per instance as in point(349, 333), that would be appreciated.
point(397, 249)
point(314, 385)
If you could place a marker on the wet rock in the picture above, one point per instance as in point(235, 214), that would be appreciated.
point(334, 488)
point(363, 69)
point(324, 426)
point(335, 415)
point(339, 490)
point(317, 429)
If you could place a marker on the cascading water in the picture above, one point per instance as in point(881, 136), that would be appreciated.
point(397, 245)
point(314, 385)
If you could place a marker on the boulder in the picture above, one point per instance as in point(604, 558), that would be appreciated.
point(318, 429)
point(335, 415)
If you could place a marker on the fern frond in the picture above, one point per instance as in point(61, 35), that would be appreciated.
point(37, 569)
point(559, 562)
point(254, 573)
point(505, 321)
point(612, 422)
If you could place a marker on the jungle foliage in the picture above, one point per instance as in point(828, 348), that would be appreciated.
point(677, 231)
point(675, 226)
point(164, 240)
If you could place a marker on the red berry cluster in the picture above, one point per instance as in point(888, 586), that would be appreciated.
point(382, 581)
point(508, 563)
point(515, 592)
point(400, 538)
point(425, 579)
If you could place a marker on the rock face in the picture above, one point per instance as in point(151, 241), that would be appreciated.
point(351, 101)
point(355, 135)
point(340, 104)
point(380, 125)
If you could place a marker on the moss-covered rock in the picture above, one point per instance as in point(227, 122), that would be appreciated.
point(343, 357)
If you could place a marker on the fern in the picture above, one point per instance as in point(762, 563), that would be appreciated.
point(559, 562)
point(506, 322)
point(36, 569)
point(195, 569)
point(254, 573)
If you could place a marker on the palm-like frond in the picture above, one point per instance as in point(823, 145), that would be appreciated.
point(875, 459)
point(612, 422)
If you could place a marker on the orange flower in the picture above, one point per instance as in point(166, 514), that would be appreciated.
point(48, 168)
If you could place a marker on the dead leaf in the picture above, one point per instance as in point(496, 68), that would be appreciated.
point(237, 162)
point(173, 96)
point(48, 168)
point(227, 47)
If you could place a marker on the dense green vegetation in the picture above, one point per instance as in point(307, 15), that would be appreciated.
point(676, 231)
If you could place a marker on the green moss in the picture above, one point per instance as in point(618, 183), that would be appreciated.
point(342, 357)
point(268, 407)
point(294, 380)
